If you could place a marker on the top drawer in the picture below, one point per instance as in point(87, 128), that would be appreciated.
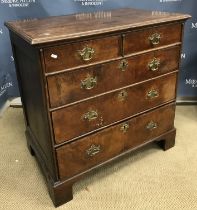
point(149, 38)
point(81, 53)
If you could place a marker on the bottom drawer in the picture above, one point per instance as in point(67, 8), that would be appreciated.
point(85, 153)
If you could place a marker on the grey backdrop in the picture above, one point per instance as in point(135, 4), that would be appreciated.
point(23, 9)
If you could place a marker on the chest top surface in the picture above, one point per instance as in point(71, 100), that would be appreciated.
point(56, 28)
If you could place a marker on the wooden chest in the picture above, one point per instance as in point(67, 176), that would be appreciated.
point(95, 87)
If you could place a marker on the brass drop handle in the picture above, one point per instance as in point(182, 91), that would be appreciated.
point(90, 115)
point(93, 150)
point(155, 39)
point(124, 127)
point(152, 94)
point(123, 65)
point(154, 64)
point(86, 53)
point(151, 125)
point(122, 95)
point(89, 83)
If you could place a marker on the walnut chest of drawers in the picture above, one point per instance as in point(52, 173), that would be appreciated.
point(95, 87)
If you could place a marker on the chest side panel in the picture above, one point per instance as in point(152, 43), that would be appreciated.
point(29, 75)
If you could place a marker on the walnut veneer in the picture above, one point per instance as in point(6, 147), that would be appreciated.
point(95, 89)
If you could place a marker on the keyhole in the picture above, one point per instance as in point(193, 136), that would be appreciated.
point(123, 65)
point(122, 95)
point(124, 127)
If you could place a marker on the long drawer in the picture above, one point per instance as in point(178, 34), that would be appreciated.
point(78, 119)
point(79, 84)
point(82, 154)
point(81, 53)
point(149, 38)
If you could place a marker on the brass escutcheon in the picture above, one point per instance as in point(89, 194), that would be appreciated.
point(122, 95)
point(124, 127)
point(89, 83)
point(155, 38)
point(93, 150)
point(87, 53)
point(151, 125)
point(154, 64)
point(152, 94)
point(90, 115)
point(123, 65)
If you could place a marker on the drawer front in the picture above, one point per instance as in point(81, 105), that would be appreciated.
point(81, 53)
point(152, 37)
point(82, 154)
point(79, 84)
point(78, 119)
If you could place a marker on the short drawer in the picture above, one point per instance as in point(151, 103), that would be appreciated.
point(87, 152)
point(149, 38)
point(79, 84)
point(81, 53)
point(81, 118)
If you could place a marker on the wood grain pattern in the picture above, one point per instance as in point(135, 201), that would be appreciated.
point(124, 111)
point(136, 41)
point(68, 55)
point(37, 31)
point(69, 123)
point(66, 87)
point(73, 158)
